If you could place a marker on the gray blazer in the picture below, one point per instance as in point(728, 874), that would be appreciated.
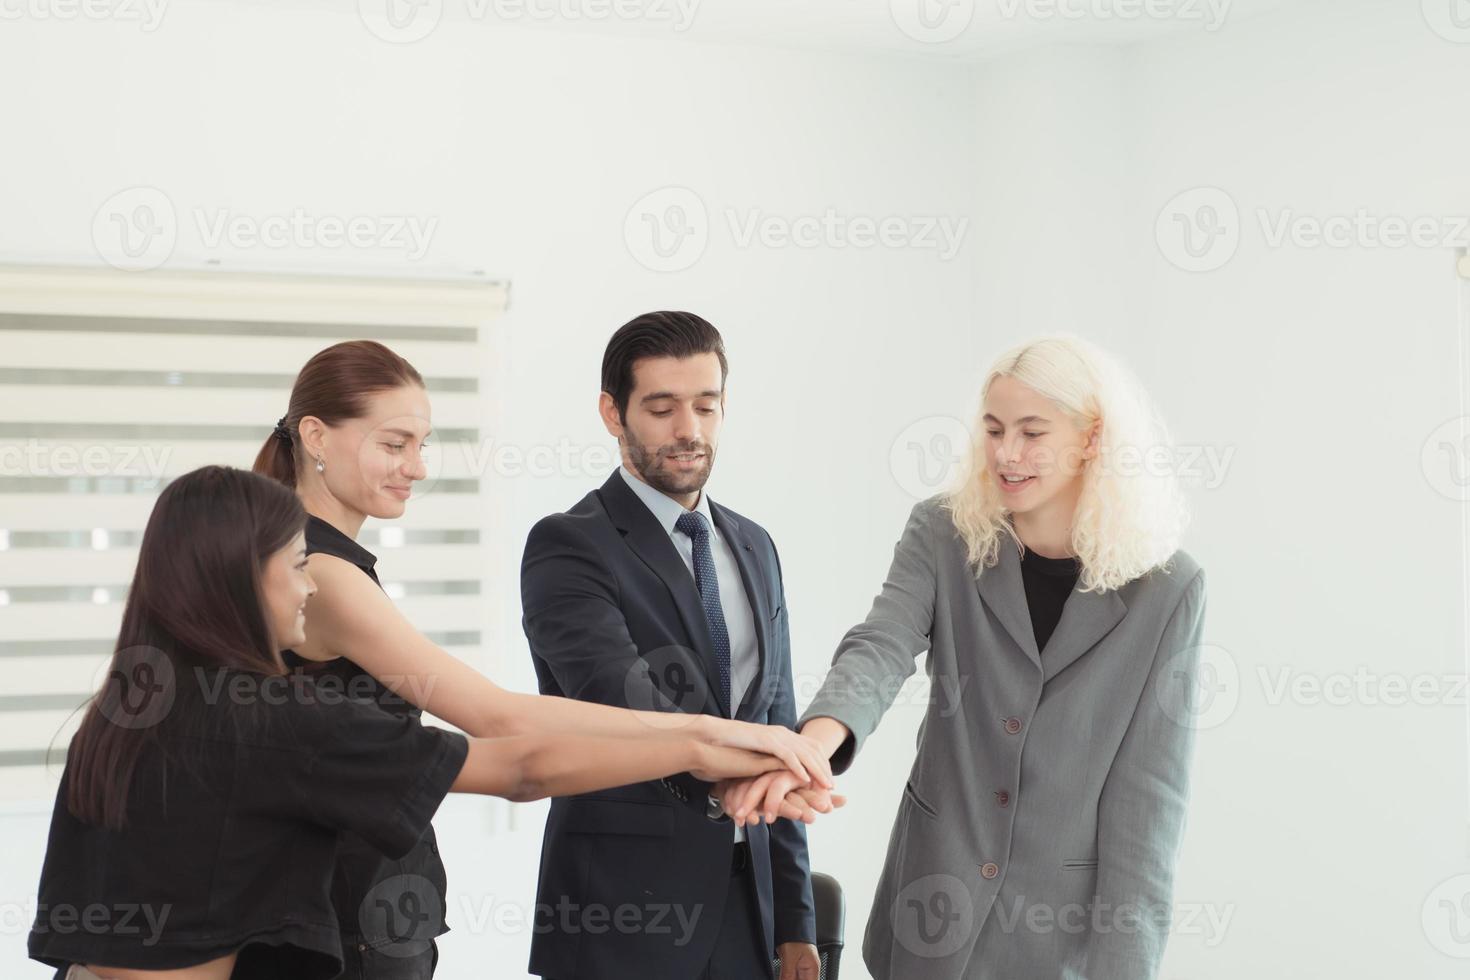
point(1037, 835)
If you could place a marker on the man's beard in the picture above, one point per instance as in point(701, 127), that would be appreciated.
point(649, 464)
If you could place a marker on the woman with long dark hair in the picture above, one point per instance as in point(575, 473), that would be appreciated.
point(196, 824)
point(351, 445)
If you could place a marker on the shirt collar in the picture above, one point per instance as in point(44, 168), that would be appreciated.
point(665, 510)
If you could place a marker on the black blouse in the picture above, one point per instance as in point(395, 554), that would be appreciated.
point(362, 867)
point(1048, 582)
point(231, 839)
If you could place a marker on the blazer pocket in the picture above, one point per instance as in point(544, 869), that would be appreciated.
point(599, 815)
point(918, 801)
point(1079, 864)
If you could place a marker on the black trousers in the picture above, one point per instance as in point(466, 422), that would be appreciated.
point(380, 964)
point(740, 952)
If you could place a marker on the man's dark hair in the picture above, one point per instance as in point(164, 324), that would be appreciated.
point(662, 334)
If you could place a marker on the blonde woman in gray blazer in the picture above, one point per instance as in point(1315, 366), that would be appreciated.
point(1037, 835)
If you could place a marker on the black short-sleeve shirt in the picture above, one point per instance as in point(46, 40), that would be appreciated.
point(363, 870)
point(232, 836)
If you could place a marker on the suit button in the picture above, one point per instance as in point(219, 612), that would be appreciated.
point(1013, 725)
point(1002, 797)
point(989, 870)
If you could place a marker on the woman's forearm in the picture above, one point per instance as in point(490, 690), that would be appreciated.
point(533, 714)
point(530, 767)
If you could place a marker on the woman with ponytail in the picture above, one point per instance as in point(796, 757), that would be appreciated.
point(197, 822)
point(351, 445)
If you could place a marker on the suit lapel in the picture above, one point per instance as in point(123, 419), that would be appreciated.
point(648, 540)
point(755, 591)
point(1087, 617)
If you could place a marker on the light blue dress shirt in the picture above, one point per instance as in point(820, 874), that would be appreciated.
point(739, 618)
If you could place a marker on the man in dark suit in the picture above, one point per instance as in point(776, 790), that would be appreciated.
point(647, 594)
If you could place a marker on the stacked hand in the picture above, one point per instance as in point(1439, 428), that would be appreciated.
point(802, 757)
point(773, 795)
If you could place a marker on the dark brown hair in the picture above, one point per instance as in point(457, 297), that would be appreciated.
point(333, 386)
point(662, 334)
point(195, 602)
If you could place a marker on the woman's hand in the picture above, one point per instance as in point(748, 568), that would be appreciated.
point(714, 763)
point(803, 756)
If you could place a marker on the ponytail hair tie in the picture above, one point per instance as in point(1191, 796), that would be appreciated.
point(281, 432)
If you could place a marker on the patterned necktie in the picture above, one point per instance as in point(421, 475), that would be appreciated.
point(694, 525)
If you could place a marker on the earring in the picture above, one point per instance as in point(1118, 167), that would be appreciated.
point(320, 466)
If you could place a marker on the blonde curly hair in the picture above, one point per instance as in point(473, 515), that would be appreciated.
point(1131, 512)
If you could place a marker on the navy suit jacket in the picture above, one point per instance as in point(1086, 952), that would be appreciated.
point(633, 879)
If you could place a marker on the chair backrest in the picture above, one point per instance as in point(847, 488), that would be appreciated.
point(831, 919)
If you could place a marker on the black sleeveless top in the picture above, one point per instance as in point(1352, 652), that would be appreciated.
point(1048, 582)
point(363, 872)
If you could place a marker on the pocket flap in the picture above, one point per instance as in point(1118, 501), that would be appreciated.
point(602, 815)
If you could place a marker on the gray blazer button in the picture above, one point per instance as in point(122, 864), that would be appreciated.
point(1013, 725)
point(989, 870)
point(1002, 797)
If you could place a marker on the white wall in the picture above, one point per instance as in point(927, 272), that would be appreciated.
point(1320, 830)
point(530, 148)
point(1321, 834)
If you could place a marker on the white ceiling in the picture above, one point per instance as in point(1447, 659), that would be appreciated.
point(947, 29)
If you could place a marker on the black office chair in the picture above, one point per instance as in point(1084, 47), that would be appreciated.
point(831, 914)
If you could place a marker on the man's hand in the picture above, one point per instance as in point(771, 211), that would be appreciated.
point(799, 961)
point(773, 795)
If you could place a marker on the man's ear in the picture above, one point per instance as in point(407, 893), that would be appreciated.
point(607, 408)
